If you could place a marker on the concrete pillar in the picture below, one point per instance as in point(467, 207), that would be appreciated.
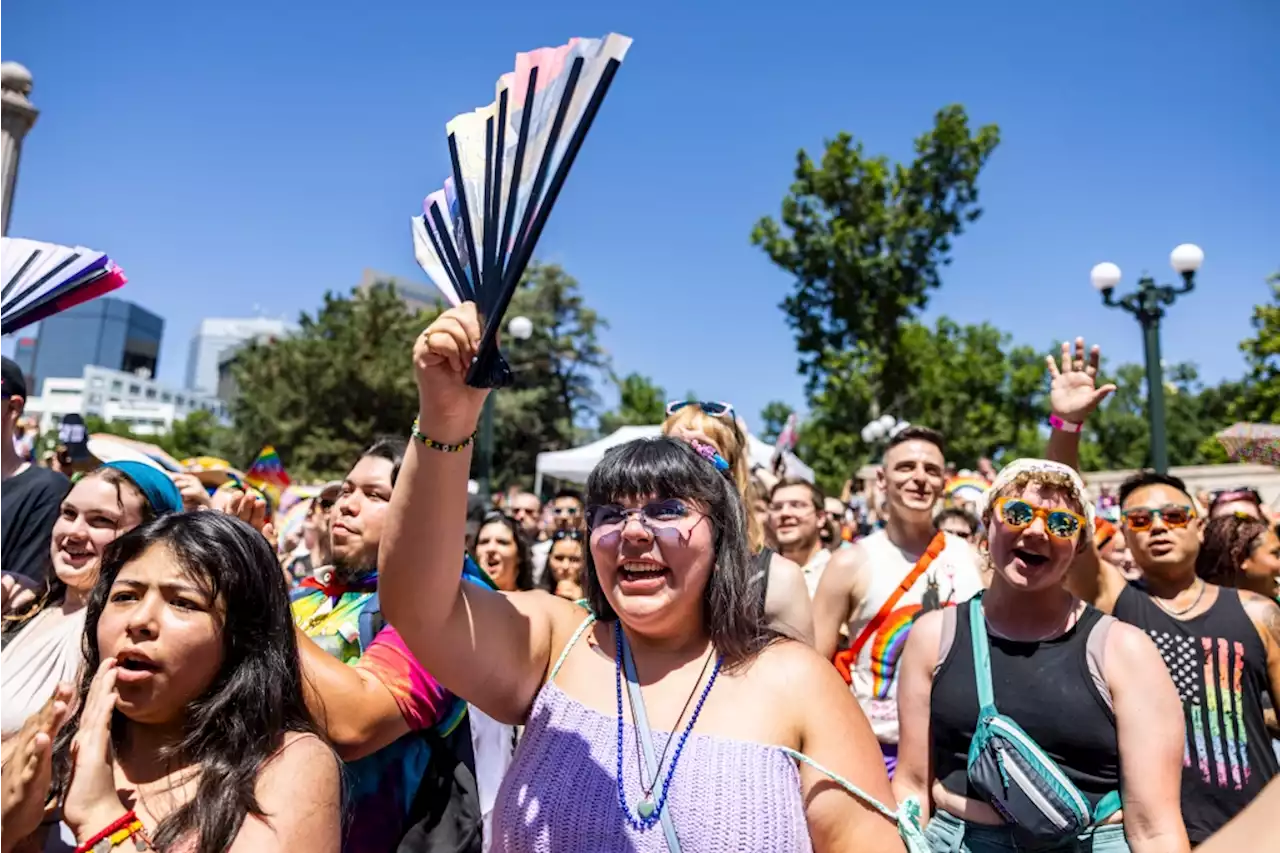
point(18, 117)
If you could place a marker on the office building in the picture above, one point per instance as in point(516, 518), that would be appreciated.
point(215, 336)
point(147, 406)
point(415, 296)
point(105, 332)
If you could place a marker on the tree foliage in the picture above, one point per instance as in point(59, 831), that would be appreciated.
point(1259, 401)
point(865, 240)
point(773, 419)
point(640, 403)
point(198, 434)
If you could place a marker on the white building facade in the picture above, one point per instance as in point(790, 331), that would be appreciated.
point(217, 335)
point(147, 406)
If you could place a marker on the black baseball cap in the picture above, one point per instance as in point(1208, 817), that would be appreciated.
point(15, 384)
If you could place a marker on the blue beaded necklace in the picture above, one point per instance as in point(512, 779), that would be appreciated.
point(647, 811)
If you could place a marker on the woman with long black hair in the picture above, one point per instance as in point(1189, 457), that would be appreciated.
point(190, 732)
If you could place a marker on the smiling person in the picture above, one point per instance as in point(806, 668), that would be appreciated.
point(1220, 644)
point(700, 744)
point(713, 430)
point(189, 730)
point(503, 552)
point(882, 584)
point(1089, 691)
point(42, 643)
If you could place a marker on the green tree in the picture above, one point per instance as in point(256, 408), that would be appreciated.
point(322, 394)
point(865, 240)
point(1259, 401)
point(555, 373)
point(773, 420)
point(640, 403)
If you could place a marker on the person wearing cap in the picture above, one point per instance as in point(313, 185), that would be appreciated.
point(1088, 690)
point(32, 495)
point(41, 640)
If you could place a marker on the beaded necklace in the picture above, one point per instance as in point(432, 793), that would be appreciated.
point(647, 810)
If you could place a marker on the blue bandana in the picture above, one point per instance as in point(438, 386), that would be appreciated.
point(155, 485)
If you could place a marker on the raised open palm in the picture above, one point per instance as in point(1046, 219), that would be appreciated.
point(1074, 393)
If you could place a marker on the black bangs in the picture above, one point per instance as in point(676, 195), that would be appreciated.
point(659, 467)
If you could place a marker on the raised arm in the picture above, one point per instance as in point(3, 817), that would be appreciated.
point(1150, 732)
point(833, 601)
point(491, 647)
point(1073, 396)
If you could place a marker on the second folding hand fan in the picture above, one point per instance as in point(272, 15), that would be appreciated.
point(509, 161)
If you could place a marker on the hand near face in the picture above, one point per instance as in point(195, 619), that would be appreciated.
point(1074, 394)
point(28, 771)
point(92, 801)
point(17, 593)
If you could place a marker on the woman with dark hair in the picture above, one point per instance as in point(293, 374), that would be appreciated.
point(1242, 552)
point(503, 552)
point(704, 740)
point(190, 731)
point(42, 642)
point(566, 562)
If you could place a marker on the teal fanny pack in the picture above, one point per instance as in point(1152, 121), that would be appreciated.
point(1012, 772)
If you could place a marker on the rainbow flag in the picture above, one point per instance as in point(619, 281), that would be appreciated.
point(267, 473)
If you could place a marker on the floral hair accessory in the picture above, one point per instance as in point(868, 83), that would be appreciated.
point(709, 453)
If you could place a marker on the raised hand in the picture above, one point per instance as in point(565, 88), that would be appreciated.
point(1074, 394)
point(28, 771)
point(252, 510)
point(194, 495)
point(92, 801)
point(448, 407)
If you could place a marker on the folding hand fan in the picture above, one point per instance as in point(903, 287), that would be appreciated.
point(42, 279)
point(1246, 442)
point(510, 159)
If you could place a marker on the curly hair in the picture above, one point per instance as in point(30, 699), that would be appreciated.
point(1228, 542)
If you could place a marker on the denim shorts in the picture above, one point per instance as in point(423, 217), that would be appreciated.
point(947, 833)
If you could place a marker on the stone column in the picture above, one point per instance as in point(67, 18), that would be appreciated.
point(18, 117)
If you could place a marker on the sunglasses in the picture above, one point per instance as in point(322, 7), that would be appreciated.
point(565, 510)
point(715, 410)
point(1018, 514)
point(1140, 518)
point(1238, 494)
point(575, 535)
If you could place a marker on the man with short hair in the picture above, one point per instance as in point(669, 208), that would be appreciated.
point(958, 522)
point(32, 499)
point(797, 518)
point(385, 714)
point(1221, 645)
point(567, 513)
point(878, 587)
point(526, 509)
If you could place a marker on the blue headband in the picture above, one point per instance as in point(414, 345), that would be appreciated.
point(155, 485)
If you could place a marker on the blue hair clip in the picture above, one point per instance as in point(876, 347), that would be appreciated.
point(709, 453)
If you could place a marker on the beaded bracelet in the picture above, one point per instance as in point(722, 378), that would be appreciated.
point(441, 446)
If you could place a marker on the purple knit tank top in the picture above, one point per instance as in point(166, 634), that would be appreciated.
point(560, 794)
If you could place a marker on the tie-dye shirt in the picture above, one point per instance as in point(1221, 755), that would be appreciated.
point(380, 788)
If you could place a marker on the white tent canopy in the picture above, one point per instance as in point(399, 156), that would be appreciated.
point(576, 463)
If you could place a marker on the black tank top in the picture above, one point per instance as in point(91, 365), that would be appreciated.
point(1219, 665)
point(1046, 688)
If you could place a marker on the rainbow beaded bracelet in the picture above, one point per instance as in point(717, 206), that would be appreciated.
point(438, 445)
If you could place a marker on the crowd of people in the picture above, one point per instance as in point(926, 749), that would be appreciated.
point(688, 655)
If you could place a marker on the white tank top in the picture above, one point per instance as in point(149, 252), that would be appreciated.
point(953, 578)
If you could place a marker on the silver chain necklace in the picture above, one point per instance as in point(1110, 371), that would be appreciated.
point(1186, 609)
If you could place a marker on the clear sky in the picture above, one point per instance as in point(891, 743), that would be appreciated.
point(246, 156)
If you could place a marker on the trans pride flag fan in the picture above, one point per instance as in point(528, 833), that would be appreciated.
point(510, 160)
point(43, 279)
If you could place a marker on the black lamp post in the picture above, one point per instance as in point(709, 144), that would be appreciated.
point(1147, 303)
point(520, 328)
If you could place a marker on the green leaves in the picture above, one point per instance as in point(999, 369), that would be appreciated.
point(640, 403)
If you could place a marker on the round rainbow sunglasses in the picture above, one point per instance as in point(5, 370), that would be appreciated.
point(1018, 514)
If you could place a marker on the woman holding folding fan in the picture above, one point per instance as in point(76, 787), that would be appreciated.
point(703, 745)
point(713, 430)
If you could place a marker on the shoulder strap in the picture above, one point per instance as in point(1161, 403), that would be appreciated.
point(573, 641)
point(1095, 656)
point(646, 739)
point(981, 655)
point(846, 660)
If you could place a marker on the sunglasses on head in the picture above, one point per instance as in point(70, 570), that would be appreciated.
point(1243, 493)
point(1018, 514)
point(715, 410)
point(1140, 518)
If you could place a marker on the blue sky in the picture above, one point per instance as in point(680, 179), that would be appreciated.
point(246, 156)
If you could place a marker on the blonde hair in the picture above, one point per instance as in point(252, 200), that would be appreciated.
point(730, 439)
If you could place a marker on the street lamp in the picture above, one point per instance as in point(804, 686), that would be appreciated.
point(1147, 303)
point(881, 428)
point(521, 329)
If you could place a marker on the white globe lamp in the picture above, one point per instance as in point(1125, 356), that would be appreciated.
point(1105, 276)
point(520, 328)
point(1186, 258)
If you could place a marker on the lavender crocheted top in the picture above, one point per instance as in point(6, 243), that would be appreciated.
point(560, 794)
